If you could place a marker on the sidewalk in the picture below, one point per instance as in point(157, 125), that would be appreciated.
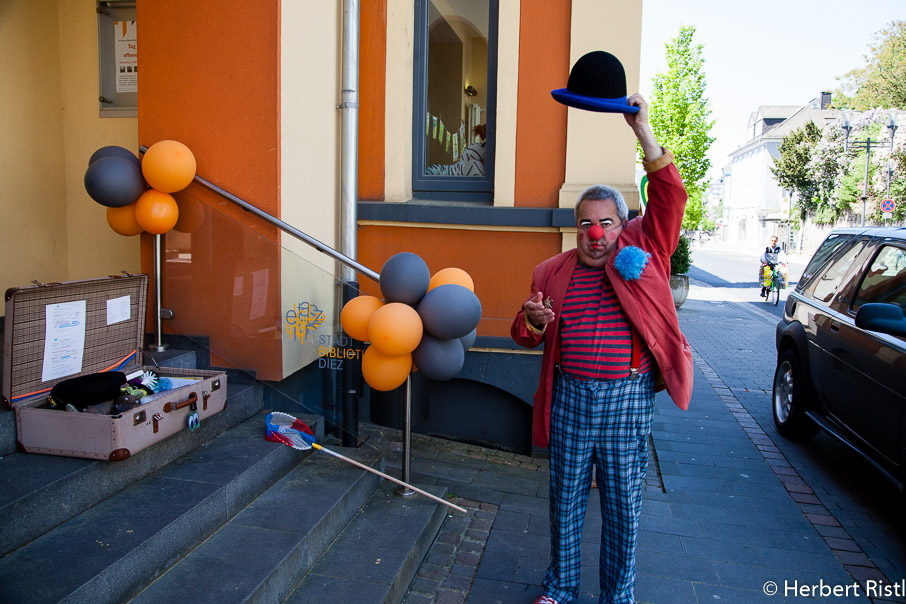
point(731, 511)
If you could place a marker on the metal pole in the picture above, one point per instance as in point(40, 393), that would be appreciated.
point(349, 107)
point(865, 190)
point(158, 345)
point(407, 439)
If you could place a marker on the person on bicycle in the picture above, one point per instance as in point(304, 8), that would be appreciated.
point(773, 256)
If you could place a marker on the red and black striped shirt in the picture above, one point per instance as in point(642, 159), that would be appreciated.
point(595, 340)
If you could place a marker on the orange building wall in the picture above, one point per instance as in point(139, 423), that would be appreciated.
point(372, 73)
point(541, 125)
point(210, 78)
point(499, 262)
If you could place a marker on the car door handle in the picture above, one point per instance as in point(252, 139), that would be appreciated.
point(835, 327)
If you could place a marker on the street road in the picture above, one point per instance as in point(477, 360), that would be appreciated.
point(737, 271)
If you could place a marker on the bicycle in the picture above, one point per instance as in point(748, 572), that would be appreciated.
point(772, 280)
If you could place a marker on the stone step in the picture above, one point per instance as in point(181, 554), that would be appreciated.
point(42, 491)
point(377, 555)
point(262, 552)
point(113, 549)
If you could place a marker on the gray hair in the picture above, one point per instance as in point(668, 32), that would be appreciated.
point(604, 192)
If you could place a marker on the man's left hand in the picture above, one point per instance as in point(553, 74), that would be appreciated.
point(639, 123)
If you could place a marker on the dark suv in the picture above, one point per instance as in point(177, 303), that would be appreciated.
point(841, 348)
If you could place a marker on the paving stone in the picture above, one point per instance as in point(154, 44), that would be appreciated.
point(462, 570)
point(842, 544)
point(488, 590)
point(457, 582)
point(660, 542)
point(862, 573)
point(676, 567)
point(656, 590)
point(419, 598)
point(822, 519)
point(832, 531)
point(853, 558)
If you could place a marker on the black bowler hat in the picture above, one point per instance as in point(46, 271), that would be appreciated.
point(597, 82)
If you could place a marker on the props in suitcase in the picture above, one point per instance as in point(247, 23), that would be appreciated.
point(72, 366)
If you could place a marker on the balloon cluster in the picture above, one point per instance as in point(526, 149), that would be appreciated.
point(116, 179)
point(426, 322)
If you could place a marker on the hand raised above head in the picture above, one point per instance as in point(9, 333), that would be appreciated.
point(641, 116)
point(641, 127)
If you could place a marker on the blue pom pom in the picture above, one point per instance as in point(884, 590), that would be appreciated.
point(630, 262)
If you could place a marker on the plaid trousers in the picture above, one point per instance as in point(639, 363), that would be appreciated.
point(605, 424)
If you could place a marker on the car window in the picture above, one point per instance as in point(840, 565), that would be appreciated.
point(831, 280)
point(885, 280)
point(827, 249)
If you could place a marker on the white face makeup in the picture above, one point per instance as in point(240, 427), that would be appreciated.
point(598, 227)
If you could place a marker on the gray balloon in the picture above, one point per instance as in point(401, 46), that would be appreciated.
point(438, 359)
point(404, 278)
point(114, 181)
point(450, 311)
point(468, 340)
point(113, 150)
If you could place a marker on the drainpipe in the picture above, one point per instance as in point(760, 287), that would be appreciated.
point(349, 106)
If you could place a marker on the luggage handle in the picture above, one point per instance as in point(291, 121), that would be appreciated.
point(193, 399)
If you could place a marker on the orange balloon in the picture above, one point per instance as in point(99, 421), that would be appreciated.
point(395, 329)
point(383, 372)
point(191, 214)
point(122, 220)
point(168, 166)
point(356, 314)
point(156, 212)
point(452, 275)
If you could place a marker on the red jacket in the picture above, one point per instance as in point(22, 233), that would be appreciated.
point(647, 301)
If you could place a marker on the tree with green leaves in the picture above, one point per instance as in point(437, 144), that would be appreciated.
point(882, 82)
point(679, 112)
point(694, 215)
point(793, 169)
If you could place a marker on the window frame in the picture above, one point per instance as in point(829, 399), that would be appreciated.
point(451, 188)
point(110, 102)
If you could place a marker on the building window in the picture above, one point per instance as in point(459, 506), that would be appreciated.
point(455, 99)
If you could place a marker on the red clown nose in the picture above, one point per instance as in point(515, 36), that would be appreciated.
point(595, 232)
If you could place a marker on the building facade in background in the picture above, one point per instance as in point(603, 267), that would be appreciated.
point(755, 206)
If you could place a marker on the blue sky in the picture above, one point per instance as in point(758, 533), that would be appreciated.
point(771, 52)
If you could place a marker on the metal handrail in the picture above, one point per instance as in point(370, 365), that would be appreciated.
point(286, 228)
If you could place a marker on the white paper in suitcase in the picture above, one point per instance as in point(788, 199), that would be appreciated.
point(61, 331)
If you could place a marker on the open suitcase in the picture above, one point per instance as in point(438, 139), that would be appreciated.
point(60, 331)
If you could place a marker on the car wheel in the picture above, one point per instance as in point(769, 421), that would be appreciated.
point(790, 399)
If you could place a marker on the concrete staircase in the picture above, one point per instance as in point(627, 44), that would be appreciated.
point(215, 515)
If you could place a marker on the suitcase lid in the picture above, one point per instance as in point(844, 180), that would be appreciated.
point(112, 310)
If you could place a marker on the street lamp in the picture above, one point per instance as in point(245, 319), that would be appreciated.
point(868, 144)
